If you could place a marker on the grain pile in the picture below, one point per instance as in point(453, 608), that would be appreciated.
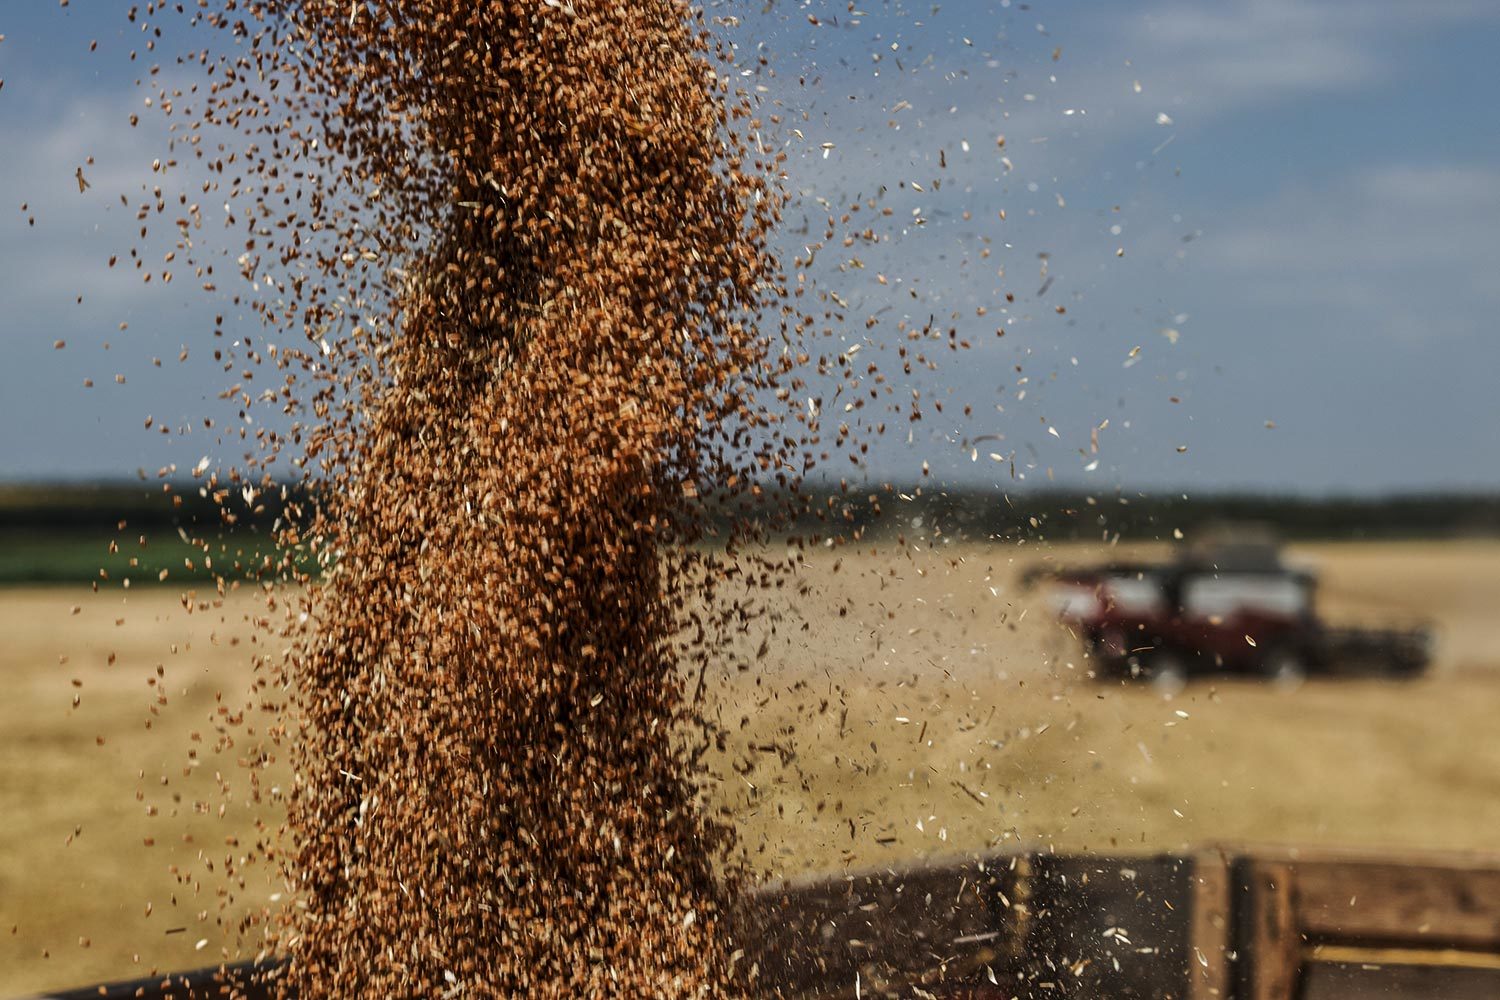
point(526, 254)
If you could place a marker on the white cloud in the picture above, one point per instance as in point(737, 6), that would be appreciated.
point(1195, 62)
point(64, 254)
point(1389, 233)
point(1222, 56)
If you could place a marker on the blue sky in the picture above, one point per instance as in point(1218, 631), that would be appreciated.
point(1306, 194)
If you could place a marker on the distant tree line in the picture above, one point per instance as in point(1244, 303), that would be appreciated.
point(977, 514)
point(820, 512)
point(91, 507)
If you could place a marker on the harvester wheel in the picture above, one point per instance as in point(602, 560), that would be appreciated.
point(1285, 667)
point(1168, 671)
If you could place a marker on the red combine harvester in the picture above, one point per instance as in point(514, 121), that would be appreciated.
point(1228, 604)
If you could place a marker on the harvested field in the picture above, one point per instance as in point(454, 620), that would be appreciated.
point(1004, 742)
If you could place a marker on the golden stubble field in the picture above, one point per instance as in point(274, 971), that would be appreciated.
point(942, 712)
